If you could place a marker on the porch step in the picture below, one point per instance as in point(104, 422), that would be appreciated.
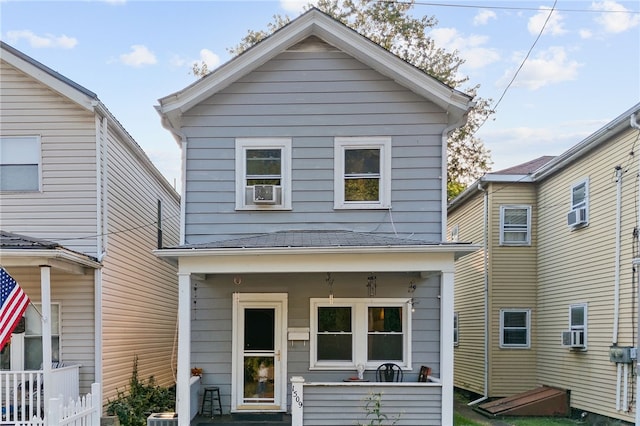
point(254, 419)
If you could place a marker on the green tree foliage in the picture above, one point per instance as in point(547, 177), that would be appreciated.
point(391, 25)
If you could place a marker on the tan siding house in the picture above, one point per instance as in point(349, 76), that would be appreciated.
point(81, 210)
point(575, 277)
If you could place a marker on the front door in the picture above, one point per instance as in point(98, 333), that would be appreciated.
point(259, 358)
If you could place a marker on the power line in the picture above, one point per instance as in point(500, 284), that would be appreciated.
point(483, 6)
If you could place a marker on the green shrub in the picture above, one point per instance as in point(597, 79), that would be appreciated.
point(142, 399)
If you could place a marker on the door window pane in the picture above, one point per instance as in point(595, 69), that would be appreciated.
point(259, 328)
point(258, 379)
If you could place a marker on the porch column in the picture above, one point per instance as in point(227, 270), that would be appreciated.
point(446, 344)
point(183, 403)
point(45, 294)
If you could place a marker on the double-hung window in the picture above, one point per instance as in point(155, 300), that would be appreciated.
point(578, 216)
point(515, 225)
point(515, 328)
point(362, 173)
point(33, 336)
point(348, 332)
point(578, 324)
point(20, 163)
point(263, 174)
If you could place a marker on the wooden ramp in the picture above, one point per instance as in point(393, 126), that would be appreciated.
point(542, 401)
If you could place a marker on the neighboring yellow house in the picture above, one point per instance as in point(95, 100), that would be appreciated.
point(552, 300)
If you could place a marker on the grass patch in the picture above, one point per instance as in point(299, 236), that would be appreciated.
point(459, 420)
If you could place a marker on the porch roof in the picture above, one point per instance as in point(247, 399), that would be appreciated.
point(21, 250)
point(316, 250)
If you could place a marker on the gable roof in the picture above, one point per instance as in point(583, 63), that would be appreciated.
point(314, 23)
point(83, 97)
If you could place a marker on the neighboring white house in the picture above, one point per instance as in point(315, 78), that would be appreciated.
point(81, 210)
point(313, 224)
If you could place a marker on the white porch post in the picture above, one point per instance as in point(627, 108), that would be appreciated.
point(45, 291)
point(297, 400)
point(446, 344)
point(183, 404)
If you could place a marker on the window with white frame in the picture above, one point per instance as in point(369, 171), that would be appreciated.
point(348, 332)
point(362, 173)
point(20, 163)
point(456, 329)
point(578, 216)
point(263, 173)
point(578, 324)
point(515, 225)
point(455, 232)
point(24, 350)
point(515, 328)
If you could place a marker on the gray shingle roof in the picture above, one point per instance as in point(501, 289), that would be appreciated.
point(9, 240)
point(315, 239)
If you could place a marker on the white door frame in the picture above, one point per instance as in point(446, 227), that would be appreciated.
point(278, 301)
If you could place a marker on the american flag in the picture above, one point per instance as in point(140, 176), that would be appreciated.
point(13, 303)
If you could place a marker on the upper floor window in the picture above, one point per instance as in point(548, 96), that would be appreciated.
point(515, 326)
point(577, 335)
point(263, 174)
point(515, 225)
point(362, 173)
point(578, 216)
point(19, 163)
point(349, 332)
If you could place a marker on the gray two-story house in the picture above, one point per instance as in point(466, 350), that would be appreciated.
point(313, 221)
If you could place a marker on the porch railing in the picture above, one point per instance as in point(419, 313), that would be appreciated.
point(22, 392)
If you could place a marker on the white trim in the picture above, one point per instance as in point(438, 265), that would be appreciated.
point(37, 152)
point(241, 146)
point(503, 209)
point(278, 301)
point(359, 332)
point(341, 144)
point(583, 327)
point(503, 345)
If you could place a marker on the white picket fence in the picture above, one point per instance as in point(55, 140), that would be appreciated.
point(85, 411)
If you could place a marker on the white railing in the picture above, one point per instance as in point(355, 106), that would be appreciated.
point(21, 396)
point(22, 393)
point(84, 411)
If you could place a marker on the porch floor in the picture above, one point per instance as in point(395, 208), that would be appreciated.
point(228, 420)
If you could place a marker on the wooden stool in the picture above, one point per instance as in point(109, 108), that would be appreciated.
point(211, 394)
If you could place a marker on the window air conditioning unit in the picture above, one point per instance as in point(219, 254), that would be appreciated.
point(264, 194)
point(577, 217)
point(573, 338)
point(162, 419)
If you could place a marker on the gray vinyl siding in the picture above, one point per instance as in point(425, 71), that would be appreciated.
point(577, 266)
point(139, 289)
point(65, 209)
point(75, 294)
point(312, 97)
point(211, 325)
point(417, 405)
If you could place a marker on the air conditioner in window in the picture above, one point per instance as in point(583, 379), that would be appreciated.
point(264, 194)
point(573, 338)
point(577, 217)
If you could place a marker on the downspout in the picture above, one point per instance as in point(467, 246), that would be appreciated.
point(485, 255)
point(633, 122)
point(616, 288)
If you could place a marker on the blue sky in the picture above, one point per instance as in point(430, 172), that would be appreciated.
point(582, 72)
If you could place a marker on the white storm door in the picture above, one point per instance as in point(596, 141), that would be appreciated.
point(259, 352)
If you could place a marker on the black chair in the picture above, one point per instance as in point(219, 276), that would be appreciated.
point(389, 372)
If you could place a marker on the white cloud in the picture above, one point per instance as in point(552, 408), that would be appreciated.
point(483, 17)
point(140, 56)
point(470, 48)
point(616, 20)
point(211, 59)
point(549, 67)
point(585, 33)
point(47, 40)
point(554, 26)
point(293, 5)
